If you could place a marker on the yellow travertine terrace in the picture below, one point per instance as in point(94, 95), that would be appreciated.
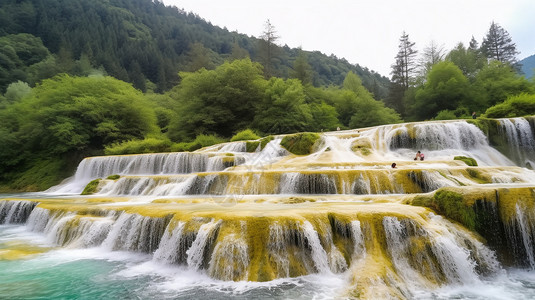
point(342, 209)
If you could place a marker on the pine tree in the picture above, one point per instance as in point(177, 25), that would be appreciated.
point(402, 73)
point(268, 48)
point(405, 66)
point(499, 46)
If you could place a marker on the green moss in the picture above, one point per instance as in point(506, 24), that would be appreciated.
point(365, 151)
point(478, 176)
point(467, 160)
point(300, 143)
point(251, 145)
point(113, 177)
point(91, 187)
point(265, 141)
point(451, 205)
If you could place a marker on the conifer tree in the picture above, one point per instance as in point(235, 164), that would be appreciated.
point(498, 45)
point(402, 73)
point(268, 48)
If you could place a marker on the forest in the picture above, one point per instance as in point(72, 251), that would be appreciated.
point(84, 78)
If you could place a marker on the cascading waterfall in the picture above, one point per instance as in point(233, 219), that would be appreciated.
point(278, 220)
point(15, 212)
point(520, 137)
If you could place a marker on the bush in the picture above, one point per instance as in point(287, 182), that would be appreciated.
point(446, 115)
point(200, 141)
point(148, 145)
point(208, 140)
point(245, 135)
point(515, 106)
point(300, 143)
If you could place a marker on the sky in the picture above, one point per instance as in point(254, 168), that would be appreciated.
point(367, 32)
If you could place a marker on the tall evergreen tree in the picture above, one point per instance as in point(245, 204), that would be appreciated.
point(268, 48)
point(498, 45)
point(402, 73)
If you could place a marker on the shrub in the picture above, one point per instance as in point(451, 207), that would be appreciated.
point(446, 115)
point(208, 140)
point(300, 143)
point(515, 106)
point(148, 145)
point(245, 135)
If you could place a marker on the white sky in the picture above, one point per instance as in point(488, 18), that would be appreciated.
point(367, 32)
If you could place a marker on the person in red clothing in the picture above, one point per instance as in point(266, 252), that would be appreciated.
point(419, 155)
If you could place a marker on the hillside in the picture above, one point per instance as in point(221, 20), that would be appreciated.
point(140, 40)
point(528, 65)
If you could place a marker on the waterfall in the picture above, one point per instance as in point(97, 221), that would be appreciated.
point(132, 232)
point(197, 250)
point(527, 231)
point(271, 218)
point(520, 139)
point(141, 164)
point(438, 140)
point(15, 212)
point(168, 250)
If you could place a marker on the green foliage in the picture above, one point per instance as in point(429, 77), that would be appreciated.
point(206, 140)
point(91, 187)
point(37, 175)
point(283, 108)
point(16, 91)
point(245, 135)
point(324, 117)
point(202, 140)
point(467, 160)
point(446, 115)
point(514, 106)
point(218, 101)
point(113, 177)
point(356, 106)
point(147, 145)
point(68, 117)
point(446, 88)
point(17, 53)
point(300, 143)
point(498, 81)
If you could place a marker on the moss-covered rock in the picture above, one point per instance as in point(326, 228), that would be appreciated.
point(113, 177)
point(467, 160)
point(91, 187)
point(264, 141)
point(251, 146)
point(300, 143)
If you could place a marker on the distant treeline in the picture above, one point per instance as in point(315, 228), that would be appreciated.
point(142, 42)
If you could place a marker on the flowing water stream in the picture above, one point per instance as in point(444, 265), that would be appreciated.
point(340, 223)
